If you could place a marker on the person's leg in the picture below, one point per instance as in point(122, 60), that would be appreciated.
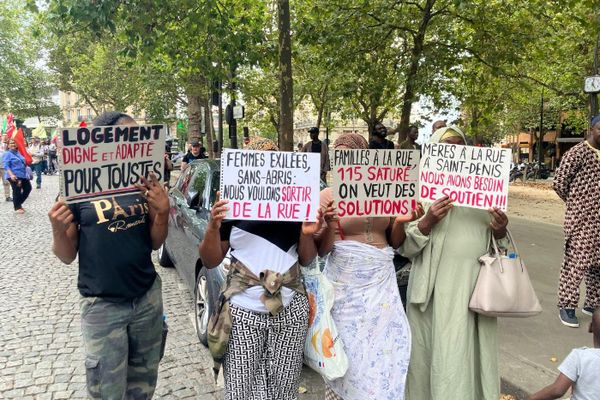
point(26, 189)
point(592, 289)
point(145, 338)
point(244, 361)
point(286, 348)
point(571, 275)
point(38, 173)
point(5, 184)
point(104, 332)
point(16, 189)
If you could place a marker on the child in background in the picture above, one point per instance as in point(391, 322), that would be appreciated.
point(580, 370)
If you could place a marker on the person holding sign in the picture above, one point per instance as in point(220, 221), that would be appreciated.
point(576, 183)
point(121, 299)
point(259, 329)
point(368, 310)
point(454, 351)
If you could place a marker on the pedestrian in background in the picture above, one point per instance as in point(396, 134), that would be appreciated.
point(15, 171)
point(36, 151)
point(378, 138)
point(264, 320)
point(317, 146)
point(195, 153)
point(576, 183)
point(121, 296)
point(5, 182)
point(411, 139)
point(360, 265)
point(454, 350)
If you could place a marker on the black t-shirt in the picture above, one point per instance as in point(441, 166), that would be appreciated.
point(114, 248)
point(316, 147)
point(189, 157)
point(386, 144)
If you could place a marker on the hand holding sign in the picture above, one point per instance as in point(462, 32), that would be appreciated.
point(61, 217)
point(218, 212)
point(413, 216)
point(437, 212)
point(158, 202)
point(499, 222)
point(327, 216)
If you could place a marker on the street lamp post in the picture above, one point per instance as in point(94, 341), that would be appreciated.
point(594, 96)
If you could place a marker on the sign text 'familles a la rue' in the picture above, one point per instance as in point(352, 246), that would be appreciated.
point(105, 161)
point(471, 176)
point(368, 182)
point(270, 185)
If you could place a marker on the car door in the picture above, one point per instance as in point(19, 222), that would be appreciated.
point(194, 219)
point(178, 204)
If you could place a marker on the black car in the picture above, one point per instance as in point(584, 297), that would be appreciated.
point(190, 202)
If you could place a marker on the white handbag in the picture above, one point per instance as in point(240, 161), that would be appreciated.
point(503, 287)
point(323, 350)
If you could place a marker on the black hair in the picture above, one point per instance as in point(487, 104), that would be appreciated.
point(110, 118)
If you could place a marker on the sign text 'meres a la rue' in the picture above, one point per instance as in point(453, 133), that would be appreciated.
point(471, 176)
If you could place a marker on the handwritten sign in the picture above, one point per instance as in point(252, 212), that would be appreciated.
point(375, 182)
point(105, 161)
point(474, 177)
point(270, 185)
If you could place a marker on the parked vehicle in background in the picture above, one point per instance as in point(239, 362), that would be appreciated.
point(190, 200)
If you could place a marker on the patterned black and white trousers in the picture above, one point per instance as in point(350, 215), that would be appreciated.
point(582, 261)
point(264, 356)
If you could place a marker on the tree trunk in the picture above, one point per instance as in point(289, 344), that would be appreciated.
point(208, 129)
point(286, 93)
point(194, 117)
point(411, 78)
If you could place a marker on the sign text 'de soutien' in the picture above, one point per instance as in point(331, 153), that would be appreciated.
point(369, 182)
point(105, 161)
point(270, 185)
point(471, 176)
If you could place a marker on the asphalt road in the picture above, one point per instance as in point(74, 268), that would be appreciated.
point(532, 348)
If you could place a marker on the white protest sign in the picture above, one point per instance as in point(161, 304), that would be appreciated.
point(375, 182)
point(106, 161)
point(270, 185)
point(471, 176)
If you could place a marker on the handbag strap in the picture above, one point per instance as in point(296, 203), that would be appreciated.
point(514, 246)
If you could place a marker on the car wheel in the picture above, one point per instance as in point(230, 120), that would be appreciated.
point(201, 307)
point(163, 258)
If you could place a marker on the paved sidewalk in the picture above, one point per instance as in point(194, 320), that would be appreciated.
point(41, 354)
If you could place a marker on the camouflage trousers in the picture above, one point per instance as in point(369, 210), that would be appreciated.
point(123, 345)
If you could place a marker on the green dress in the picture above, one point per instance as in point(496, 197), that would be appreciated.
point(454, 350)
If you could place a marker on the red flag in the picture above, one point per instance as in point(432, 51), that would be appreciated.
point(10, 125)
point(19, 137)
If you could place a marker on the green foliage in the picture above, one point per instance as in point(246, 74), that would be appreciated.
point(25, 84)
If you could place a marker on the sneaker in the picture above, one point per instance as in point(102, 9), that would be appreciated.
point(567, 317)
point(20, 211)
point(588, 311)
point(9, 198)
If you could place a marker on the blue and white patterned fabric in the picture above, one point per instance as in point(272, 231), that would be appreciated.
point(371, 322)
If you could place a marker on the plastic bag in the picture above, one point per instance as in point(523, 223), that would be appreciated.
point(323, 350)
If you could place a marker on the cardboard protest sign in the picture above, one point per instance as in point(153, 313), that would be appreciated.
point(471, 176)
point(375, 182)
point(270, 185)
point(105, 161)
